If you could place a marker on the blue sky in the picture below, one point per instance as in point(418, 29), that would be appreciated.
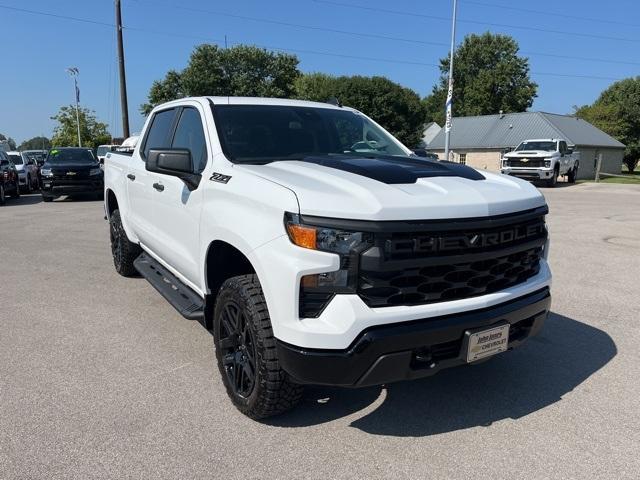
point(36, 49)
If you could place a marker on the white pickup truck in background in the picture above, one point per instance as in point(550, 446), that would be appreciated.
point(542, 159)
point(318, 250)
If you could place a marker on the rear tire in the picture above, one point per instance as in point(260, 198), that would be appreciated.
point(246, 351)
point(573, 174)
point(124, 252)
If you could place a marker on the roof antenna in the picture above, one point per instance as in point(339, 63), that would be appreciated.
point(334, 101)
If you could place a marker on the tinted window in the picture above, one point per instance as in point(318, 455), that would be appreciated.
point(70, 155)
point(190, 135)
point(16, 159)
point(158, 136)
point(263, 133)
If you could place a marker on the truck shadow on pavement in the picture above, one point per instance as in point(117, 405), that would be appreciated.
point(511, 385)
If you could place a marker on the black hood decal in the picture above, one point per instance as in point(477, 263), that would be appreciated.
point(395, 170)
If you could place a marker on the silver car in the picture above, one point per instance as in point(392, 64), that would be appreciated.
point(27, 170)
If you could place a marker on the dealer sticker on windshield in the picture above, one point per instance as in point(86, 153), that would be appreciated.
point(488, 342)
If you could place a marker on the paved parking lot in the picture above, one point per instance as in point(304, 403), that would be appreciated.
point(101, 378)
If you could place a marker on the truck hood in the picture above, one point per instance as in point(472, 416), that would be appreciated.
point(529, 154)
point(430, 190)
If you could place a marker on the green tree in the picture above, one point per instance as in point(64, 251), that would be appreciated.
point(617, 112)
point(488, 76)
point(35, 143)
point(239, 71)
point(92, 132)
point(396, 108)
point(10, 141)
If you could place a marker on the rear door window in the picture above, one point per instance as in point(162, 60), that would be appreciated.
point(190, 135)
point(159, 135)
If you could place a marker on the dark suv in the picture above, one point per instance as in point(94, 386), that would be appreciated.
point(9, 183)
point(69, 171)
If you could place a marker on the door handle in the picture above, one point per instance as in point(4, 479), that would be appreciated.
point(158, 186)
point(131, 176)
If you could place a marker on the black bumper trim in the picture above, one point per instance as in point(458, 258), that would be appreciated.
point(413, 349)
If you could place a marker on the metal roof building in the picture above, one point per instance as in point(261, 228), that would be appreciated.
point(480, 141)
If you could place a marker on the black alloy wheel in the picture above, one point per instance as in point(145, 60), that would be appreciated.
point(238, 350)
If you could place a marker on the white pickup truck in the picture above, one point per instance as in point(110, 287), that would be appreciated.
point(542, 159)
point(318, 250)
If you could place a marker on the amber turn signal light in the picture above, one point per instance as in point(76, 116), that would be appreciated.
point(302, 236)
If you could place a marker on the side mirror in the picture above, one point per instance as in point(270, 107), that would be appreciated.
point(176, 162)
point(421, 152)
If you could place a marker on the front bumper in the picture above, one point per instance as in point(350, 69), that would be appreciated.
point(410, 350)
point(57, 188)
point(529, 173)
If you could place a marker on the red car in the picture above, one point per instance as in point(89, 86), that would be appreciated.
point(9, 183)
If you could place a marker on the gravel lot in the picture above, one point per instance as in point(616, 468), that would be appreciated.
point(101, 378)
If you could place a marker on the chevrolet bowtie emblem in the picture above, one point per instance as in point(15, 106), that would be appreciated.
point(71, 173)
point(525, 160)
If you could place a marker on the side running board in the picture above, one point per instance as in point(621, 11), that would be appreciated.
point(187, 302)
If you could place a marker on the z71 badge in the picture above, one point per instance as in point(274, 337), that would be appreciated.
point(220, 178)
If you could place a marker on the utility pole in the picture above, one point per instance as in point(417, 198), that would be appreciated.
point(123, 82)
point(448, 105)
point(74, 72)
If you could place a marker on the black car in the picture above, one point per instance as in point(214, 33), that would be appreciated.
point(9, 183)
point(70, 171)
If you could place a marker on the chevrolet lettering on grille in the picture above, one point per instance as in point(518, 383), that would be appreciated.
point(432, 244)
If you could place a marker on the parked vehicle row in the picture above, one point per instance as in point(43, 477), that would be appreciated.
point(28, 169)
point(9, 180)
point(58, 172)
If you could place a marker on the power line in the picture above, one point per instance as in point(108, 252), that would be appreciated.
point(293, 50)
point(476, 22)
point(295, 25)
point(55, 15)
point(553, 13)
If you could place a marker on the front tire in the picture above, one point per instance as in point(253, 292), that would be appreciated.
point(553, 181)
point(124, 252)
point(246, 351)
point(16, 193)
point(3, 199)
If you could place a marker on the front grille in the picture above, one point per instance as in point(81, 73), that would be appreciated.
point(416, 268)
point(526, 162)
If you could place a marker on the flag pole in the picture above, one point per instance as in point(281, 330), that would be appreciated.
point(448, 104)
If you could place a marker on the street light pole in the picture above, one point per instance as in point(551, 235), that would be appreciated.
point(448, 104)
point(74, 72)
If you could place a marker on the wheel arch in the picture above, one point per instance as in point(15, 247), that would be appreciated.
point(223, 261)
point(111, 202)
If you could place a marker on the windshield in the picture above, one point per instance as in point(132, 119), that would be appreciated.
point(15, 158)
point(265, 133)
point(546, 146)
point(74, 155)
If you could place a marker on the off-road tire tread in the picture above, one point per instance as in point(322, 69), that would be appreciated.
point(275, 393)
point(130, 251)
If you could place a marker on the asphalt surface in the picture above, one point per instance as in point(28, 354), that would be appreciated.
point(101, 378)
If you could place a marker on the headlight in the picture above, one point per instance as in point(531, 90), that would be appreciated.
point(46, 172)
point(316, 290)
point(95, 171)
point(547, 162)
point(505, 162)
